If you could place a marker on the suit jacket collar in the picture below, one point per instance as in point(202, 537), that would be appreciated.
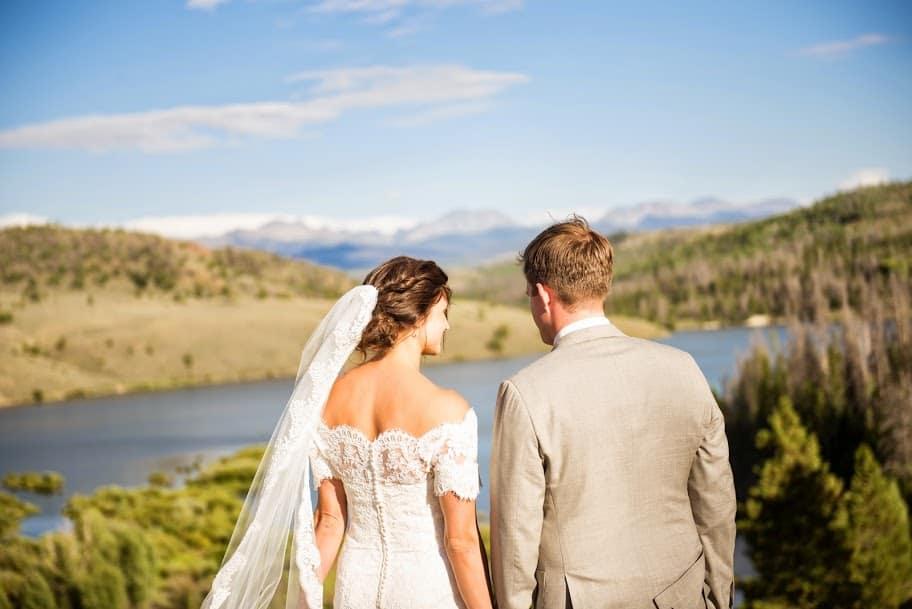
point(587, 334)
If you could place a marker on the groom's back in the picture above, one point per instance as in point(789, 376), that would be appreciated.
point(618, 422)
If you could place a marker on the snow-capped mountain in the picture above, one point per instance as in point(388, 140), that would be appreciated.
point(458, 236)
point(461, 222)
point(653, 215)
point(462, 237)
point(470, 237)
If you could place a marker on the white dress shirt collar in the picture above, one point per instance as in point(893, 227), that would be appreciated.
point(581, 324)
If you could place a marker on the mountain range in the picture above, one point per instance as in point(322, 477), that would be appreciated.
point(471, 237)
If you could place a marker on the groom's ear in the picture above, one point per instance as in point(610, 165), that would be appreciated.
point(545, 293)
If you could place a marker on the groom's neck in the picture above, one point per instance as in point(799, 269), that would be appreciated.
point(565, 316)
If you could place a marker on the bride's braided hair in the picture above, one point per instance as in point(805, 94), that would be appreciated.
point(407, 288)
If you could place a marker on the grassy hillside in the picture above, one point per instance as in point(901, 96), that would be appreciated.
point(794, 263)
point(39, 260)
point(66, 347)
point(86, 312)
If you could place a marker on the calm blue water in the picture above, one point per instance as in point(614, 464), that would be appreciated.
point(121, 440)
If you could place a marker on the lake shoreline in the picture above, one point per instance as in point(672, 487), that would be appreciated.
point(147, 388)
point(68, 347)
point(201, 383)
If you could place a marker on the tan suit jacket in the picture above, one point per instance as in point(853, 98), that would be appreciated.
point(610, 480)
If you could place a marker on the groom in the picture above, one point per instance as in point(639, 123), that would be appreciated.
point(610, 480)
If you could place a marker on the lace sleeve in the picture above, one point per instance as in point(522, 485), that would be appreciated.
point(456, 465)
point(320, 469)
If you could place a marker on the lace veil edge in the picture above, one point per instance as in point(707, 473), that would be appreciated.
point(278, 503)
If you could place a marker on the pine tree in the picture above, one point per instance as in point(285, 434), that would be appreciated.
point(102, 586)
point(877, 536)
point(36, 594)
point(22, 583)
point(137, 563)
point(792, 519)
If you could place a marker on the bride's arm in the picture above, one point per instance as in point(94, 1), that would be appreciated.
point(464, 551)
point(329, 522)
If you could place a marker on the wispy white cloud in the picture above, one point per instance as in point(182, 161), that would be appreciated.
point(199, 225)
point(838, 48)
point(382, 17)
point(388, 12)
point(441, 113)
point(21, 219)
point(406, 27)
point(385, 6)
point(175, 129)
point(204, 5)
point(385, 85)
point(214, 225)
point(333, 92)
point(868, 176)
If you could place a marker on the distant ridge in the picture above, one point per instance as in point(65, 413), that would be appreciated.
point(471, 237)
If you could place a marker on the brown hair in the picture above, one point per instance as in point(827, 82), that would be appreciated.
point(407, 288)
point(572, 259)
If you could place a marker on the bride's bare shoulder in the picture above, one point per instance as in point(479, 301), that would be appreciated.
point(347, 376)
point(343, 381)
point(448, 406)
point(347, 385)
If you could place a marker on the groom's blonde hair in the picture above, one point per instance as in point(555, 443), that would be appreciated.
point(572, 259)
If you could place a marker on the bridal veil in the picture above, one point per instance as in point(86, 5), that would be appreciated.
point(278, 504)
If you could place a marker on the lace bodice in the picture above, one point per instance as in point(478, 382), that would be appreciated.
point(449, 451)
point(393, 548)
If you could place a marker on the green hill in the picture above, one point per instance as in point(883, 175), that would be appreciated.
point(96, 312)
point(796, 263)
point(93, 312)
point(40, 259)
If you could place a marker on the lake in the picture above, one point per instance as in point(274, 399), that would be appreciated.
point(122, 439)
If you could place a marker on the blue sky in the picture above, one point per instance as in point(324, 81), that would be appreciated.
point(113, 111)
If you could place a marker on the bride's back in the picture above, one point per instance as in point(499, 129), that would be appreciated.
point(379, 396)
point(412, 442)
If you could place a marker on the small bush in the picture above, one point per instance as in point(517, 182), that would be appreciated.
point(44, 483)
point(496, 341)
point(160, 479)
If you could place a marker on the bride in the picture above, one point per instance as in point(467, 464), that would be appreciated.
point(393, 460)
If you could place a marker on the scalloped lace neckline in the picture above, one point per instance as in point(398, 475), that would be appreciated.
point(396, 430)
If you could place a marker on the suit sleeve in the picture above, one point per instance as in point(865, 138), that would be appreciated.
point(517, 501)
point(712, 498)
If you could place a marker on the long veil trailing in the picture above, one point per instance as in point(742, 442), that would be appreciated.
point(278, 502)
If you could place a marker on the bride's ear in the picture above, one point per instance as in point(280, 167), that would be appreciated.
point(420, 329)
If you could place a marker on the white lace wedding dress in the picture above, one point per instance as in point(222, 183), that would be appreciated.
point(393, 554)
